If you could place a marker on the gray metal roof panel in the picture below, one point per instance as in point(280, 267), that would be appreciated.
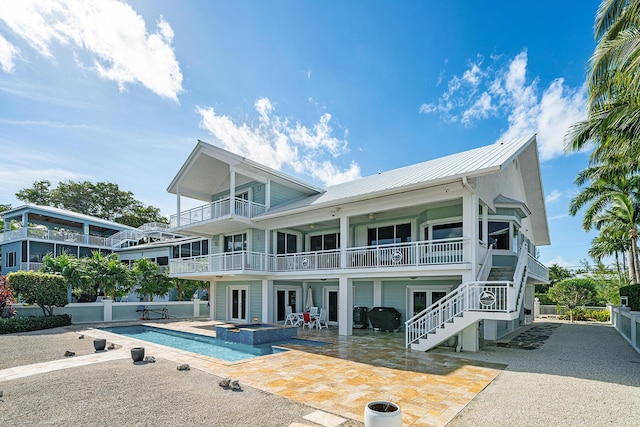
point(474, 162)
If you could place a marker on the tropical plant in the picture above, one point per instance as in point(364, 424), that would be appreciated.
point(72, 269)
point(573, 293)
point(46, 290)
point(150, 280)
point(111, 277)
point(6, 299)
point(185, 288)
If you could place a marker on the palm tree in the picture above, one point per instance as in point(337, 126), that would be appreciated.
point(613, 205)
point(150, 280)
point(111, 277)
point(611, 244)
point(71, 268)
point(625, 213)
point(612, 125)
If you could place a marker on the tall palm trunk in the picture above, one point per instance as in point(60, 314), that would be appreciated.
point(633, 257)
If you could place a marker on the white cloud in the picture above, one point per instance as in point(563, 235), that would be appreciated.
point(560, 261)
point(113, 35)
point(15, 179)
point(553, 196)
point(277, 142)
point(7, 53)
point(502, 90)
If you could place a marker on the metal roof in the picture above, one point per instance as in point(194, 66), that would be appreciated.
point(65, 212)
point(472, 163)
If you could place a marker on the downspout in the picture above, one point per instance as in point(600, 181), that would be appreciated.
point(466, 184)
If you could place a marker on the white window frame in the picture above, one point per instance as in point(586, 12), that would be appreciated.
point(247, 310)
point(428, 225)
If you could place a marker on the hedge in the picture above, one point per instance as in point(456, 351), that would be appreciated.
point(12, 325)
point(633, 293)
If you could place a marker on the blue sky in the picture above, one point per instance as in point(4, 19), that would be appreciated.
point(326, 91)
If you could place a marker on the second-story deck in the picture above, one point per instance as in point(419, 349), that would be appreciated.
point(220, 209)
point(412, 254)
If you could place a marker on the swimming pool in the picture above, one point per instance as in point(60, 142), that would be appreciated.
point(194, 343)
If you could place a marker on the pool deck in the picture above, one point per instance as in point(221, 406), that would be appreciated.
point(339, 378)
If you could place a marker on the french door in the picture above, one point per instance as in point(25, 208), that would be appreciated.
point(419, 299)
point(330, 302)
point(238, 303)
point(284, 298)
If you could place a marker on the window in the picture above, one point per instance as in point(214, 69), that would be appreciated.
point(390, 234)
point(324, 242)
point(235, 243)
point(12, 259)
point(499, 235)
point(446, 231)
point(286, 243)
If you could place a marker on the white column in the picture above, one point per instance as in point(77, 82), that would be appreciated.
point(470, 232)
point(377, 292)
point(107, 305)
point(267, 302)
point(267, 194)
point(196, 307)
point(212, 300)
point(232, 190)
point(485, 225)
point(345, 302)
point(25, 220)
point(177, 208)
point(344, 241)
point(471, 338)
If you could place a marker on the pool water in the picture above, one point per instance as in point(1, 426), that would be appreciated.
point(199, 344)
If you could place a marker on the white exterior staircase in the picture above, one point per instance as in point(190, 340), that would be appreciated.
point(494, 298)
point(126, 238)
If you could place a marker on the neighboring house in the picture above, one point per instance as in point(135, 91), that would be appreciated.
point(41, 230)
point(450, 243)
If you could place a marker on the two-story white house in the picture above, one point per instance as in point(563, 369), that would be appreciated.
point(450, 243)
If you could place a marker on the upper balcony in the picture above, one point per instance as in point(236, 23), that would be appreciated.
point(67, 237)
point(215, 217)
point(444, 252)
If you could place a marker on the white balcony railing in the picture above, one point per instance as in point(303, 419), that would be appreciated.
point(429, 252)
point(53, 235)
point(536, 269)
point(217, 210)
point(305, 261)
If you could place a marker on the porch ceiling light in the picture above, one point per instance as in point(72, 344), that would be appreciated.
point(371, 216)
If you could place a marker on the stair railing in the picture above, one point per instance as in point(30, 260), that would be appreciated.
point(519, 277)
point(466, 297)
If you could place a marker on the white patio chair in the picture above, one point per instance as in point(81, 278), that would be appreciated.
point(310, 321)
point(323, 320)
point(313, 311)
point(290, 317)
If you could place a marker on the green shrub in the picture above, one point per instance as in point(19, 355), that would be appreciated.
point(33, 323)
point(599, 315)
point(580, 314)
point(633, 293)
point(544, 299)
point(46, 290)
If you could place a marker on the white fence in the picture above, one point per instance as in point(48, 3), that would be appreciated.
point(110, 311)
point(627, 323)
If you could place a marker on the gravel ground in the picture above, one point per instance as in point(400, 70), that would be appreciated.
point(584, 374)
point(117, 393)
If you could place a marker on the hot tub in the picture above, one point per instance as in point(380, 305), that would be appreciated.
point(256, 333)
